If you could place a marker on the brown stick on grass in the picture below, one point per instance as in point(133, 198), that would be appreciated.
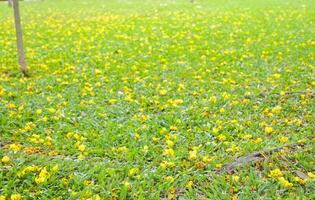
point(19, 38)
point(254, 157)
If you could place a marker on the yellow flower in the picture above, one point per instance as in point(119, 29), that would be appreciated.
point(169, 179)
point(96, 197)
point(258, 140)
point(137, 136)
point(16, 197)
point(163, 92)
point(133, 171)
point(213, 99)
point(235, 178)
point(166, 164)
point(97, 72)
point(221, 137)
point(81, 147)
point(190, 184)
point(42, 176)
point(207, 159)
point(127, 184)
point(2, 197)
point(276, 76)
point(170, 143)
point(299, 180)
point(51, 110)
point(178, 101)
point(215, 130)
point(218, 166)
point(169, 152)
point(275, 173)
point(284, 182)
point(1, 91)
point(268, 129)
point(5, 159)
point(55, 168)
point(310, 174)
point(276, 110)
point(145, 148)
point(112, 101)
point(192, 155)
point(81, 156)
point(283, 139)
point(15, 147)
point(122, 149)
point(173, 128)
point(11, 106)
point(87, 182)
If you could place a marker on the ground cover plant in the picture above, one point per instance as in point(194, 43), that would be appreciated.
point(158, 100)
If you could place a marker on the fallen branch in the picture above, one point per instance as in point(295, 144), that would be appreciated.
point(262, 95)
point(310, 93)
point(254, 157)
point(2, 144)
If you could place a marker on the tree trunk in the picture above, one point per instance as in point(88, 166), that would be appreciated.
point(19, 38)
point(10, 3)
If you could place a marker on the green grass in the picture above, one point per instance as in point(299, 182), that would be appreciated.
point(148, 99)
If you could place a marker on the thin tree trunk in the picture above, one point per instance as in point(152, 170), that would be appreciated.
point(19, 38)
point(10, 3)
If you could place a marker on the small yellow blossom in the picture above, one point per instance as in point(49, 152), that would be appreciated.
point(5, 159)
point(145, 148)
point(310, 174)
point(206, 159)
point(283, 139)
point(213, 99)
point(268, 129)
point(15, 147)
point(173, 128)
point(81, 156)
point(167, 164)
point(235, 178)
point(170, 143)
point(218, 166)
point(258, 140)
point(81, 147)
point(275, 173)
point(285, 182)
point(190, 184)
point(16, 197)
point(162, 92)
point(169, 179)
point(51, 110)
point(192, 155)
point(169, 152)
point(11, 106)
point(276, 110)
point(112, 101)
point(43, 175)
point(87, 182)
point(133, 171)
point(55, 168)
point(221, 137)
point(299, 180)
point(127, 184)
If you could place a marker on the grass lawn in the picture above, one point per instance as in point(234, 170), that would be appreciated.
point(153, 99)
